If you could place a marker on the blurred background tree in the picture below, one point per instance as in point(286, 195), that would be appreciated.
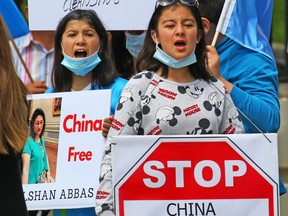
point(278, 22)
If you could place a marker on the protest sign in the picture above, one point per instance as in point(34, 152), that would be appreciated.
point(74, 145)
point(196, 175)
point(115, 14)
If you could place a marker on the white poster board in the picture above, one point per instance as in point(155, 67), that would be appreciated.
point(75, 154)
point(115, 14)
point(196, 175)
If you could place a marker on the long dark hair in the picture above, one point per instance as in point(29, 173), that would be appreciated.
point(145, 60)
point(37, 112)
point(103, 74)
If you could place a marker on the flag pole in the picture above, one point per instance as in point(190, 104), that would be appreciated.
point(215, 38)
point(223, 20)
point(16, 48)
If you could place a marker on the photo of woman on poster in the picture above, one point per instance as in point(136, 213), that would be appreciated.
point(34, 155)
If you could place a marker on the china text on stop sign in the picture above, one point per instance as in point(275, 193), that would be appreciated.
point(153, 168)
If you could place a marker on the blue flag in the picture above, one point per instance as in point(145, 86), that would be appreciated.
point(248, 22)
point(13, 18)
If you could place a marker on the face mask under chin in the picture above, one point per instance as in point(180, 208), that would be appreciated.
point(81, 66)
point(166, 59)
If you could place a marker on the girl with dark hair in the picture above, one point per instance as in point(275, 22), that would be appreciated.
point(82, 59)
point(83, 62)
point(175, 93)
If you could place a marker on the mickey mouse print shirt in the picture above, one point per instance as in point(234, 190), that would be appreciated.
point(152, 105)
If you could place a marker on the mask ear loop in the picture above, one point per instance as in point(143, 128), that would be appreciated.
point(63, 53)
point(98, 48)
point(156, 44)
point(154, 37)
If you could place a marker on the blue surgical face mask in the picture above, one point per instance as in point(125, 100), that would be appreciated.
point(171, 62)
point(134, 43)
point(81, 66)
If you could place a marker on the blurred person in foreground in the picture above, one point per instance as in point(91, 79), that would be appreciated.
point(13, 132)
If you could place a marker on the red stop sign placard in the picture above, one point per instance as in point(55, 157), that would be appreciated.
point(192, 170)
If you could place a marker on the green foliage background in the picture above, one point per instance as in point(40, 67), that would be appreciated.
point(278, 22)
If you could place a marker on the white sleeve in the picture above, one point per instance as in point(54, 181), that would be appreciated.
point(128, 106)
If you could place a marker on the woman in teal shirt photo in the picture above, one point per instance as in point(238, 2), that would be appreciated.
point(34, 155)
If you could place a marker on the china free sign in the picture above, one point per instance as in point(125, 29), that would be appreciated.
point(192, 177)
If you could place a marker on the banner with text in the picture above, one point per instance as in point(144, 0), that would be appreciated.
point(74, 147)
point(115, 14)
point(196, 175)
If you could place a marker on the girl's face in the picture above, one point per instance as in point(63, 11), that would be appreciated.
point(79, 39)
point(177, 32)
point(38, 125)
